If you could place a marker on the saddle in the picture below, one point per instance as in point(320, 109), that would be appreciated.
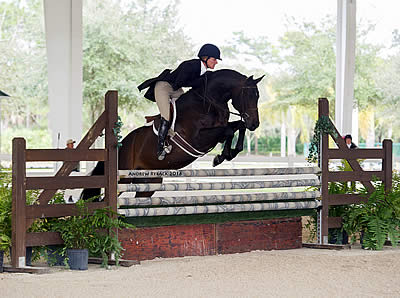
point(155, 117)
point(173, 136)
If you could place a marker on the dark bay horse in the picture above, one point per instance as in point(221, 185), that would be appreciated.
point(202, 119)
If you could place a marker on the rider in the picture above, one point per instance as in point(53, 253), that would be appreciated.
point(169, 85)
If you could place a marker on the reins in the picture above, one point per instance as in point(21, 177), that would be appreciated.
point(212, 102)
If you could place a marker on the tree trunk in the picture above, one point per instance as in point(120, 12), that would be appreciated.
point(283, 135)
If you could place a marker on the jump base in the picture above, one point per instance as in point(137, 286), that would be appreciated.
point(210, 239)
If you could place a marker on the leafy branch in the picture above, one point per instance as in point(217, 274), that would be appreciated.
point(117, 131)
point(322, 126)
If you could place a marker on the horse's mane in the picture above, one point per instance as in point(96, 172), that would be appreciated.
point(224, 73)
point(219, 77)
point(211, 80)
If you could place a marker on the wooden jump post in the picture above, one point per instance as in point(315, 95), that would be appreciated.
point(23, 216)
point(357, 173)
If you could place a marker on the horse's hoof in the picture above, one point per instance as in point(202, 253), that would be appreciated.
point(168, 149)
point(216, 161)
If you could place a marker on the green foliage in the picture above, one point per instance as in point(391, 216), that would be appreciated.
point(35, 138)
point(377, 219)
point(96, 231)
point(117, 131)
point(139, 40)
point(23, 64)
point(123, 45)
point(322, 126)
point(5, 210)
point(106, 224)
point(307, 59)
point(259, 48)
point(267, 144)
point(6, 206)
point(76, 231)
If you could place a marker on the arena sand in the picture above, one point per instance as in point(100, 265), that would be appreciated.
point(288, 273)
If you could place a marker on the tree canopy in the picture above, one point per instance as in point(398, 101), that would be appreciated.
point(126, 42)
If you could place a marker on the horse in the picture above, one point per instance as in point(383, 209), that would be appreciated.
point(202, 120)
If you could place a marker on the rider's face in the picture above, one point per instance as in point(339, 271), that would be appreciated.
point(211, 62)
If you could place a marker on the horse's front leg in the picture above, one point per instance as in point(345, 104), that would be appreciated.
point(239, 143)
point(218, 159)
point(228, 153)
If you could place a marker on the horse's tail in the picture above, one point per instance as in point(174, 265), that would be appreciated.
point(95, 193)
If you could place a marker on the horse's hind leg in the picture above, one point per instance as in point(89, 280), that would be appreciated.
point(94, 193)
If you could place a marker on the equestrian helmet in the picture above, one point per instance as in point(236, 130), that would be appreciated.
point(209, 50)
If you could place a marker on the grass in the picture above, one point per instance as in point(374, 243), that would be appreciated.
point(152, 221)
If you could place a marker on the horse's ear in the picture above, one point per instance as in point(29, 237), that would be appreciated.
point(250, 79)
point(256, 81)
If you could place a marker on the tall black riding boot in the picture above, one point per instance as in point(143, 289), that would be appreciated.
point(162, 134)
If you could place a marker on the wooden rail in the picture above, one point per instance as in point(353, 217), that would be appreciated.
point(357, 174)
point(217, 202)
point(23, 215)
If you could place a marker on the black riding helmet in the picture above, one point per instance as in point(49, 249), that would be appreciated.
point(210, 50)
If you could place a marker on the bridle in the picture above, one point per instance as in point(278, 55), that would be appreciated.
point(211, 101)
point(245, 115)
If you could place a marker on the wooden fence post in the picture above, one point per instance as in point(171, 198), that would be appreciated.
point(111, 106)
point(323, 110)
point(387, 163)
point(18, 219)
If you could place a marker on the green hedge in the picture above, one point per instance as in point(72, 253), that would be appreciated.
point(151, 221)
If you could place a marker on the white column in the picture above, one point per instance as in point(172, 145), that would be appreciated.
point(63, 24)
point(345, 64)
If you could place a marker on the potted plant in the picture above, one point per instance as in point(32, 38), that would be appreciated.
point(76, 233)
point(90, 231)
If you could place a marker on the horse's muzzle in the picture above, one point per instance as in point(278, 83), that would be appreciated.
point(252, 124)
point(251, 119)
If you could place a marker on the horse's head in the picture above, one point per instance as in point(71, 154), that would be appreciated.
point(245, 100)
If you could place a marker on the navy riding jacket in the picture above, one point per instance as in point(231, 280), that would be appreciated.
point(186, 75)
